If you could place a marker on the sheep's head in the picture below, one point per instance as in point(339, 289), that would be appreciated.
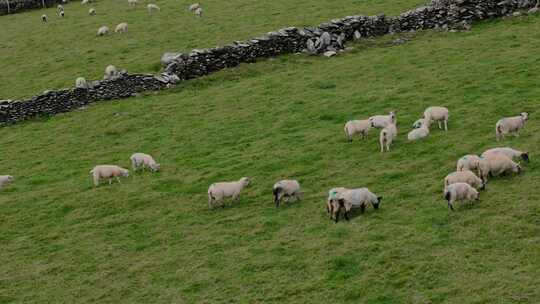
point(474, 195)
point(125, 173)
point(517, 169)
point(245, 181)
point(417, 124)
point(376, 205)
point(524, 116)
point(525, 156)
point(10, 178)
point(393, 116)
point(155, 167)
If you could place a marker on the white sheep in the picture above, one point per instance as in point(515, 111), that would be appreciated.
point(152, 8)
point(287, 189)
point(464, 177)
point(510, 125)
point(121, 28)
point(194, 7)
point(141, 161)
point(508, 152)
point(108, 172)
point(357, 127)
point(354, 198)
point(496, 165)
point(44, 18)
point(469, 162)
point(332, 195)
point(387, 136)
point(84, 2)
point(199, 12)
point(460, 192)
point(421, 132)
point(132, 3)
point(420, 122)
point(381, 121)
point(110, 73)
point(92, 11)
point(5, 179)
point(102, 31)
point(438, 114)
point(217, 192)
point(81, 83)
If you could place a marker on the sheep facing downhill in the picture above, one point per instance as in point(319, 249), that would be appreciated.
point(387, 136)
point(108, 172)
point(102, 31)
point(438, 114)
point(464, 177)
point(381, 121)
point(5, 179)
point(287, 189)
point(460, 192)
point(121, 28)
point(496, 165)
point(508, 152)
point(421, 132)
point(510, 125)
point(353, 127)
point(354, 198)
point(142, 161)
point(218, 192)
point(152, 8)
point(469, 162)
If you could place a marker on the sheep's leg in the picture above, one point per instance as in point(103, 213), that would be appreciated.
point(446, 125)
point(118, 179)
point(439, 122)
point(362, 209)
point(110, 181)
point(346, 215)
point(450, 206)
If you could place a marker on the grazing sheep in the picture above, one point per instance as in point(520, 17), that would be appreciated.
point(121, 28)
point(44, 18)
point(438, 114)
point(132, 3)
point(199, 12)
point(357, 127)
point(469, 162)
point(5, 179)
point(508, 152)
point(496, 165)
point(354, 198)
point(288, 189)
point(102, 31)
point(141, 161)
point(62, 14)
point(194, 7)
point(420, 132)
point(381, 121)
point(81, 83)
point(108, 172)
point(387, 136)
point(92, 12)
point(152, 8)
point(464, 177)
point(332, 195)
point(510, 125)
point(217, 192)
point(460, 192)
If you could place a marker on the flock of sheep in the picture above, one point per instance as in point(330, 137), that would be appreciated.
point(121, 27)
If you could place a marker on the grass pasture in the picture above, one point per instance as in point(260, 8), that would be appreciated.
point(152, 238)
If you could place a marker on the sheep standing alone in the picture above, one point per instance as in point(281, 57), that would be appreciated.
point(460, 192)
point(44, 18)
point(354, 198)
point(92, 11)
point(508, 152)
point(152, 8)
point(102, 31)
point(286, 189)
point(421, 132)
point(108, 172)
point(496, 165)
point(141, 161)
point(357, 127)
point(510, 125)
point(121, 28)
point(468, 162)
point(217, 192)
point(387, 136)
point(81, 83)
point(464, 177)
point(5, 179)
point(381, 121)
point(438, 114)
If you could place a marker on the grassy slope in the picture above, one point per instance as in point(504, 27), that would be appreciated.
point(152, 238)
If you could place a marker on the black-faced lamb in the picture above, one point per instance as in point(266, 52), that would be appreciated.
point(508, 152)
point(108, 172)
point(142, 161)
point(510, 125)
point(460, 192)
point(438, 114)
point(354, 198)
point(353, 127)
point(287, 189)
point(218, 192)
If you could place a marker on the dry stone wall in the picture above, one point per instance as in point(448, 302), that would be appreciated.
point(17, 6)
point(326, 38)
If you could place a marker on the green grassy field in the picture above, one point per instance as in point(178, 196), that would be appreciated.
point(152, 238)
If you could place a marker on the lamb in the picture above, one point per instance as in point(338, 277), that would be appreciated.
point(510, 125)
point(357, 127)
point(108, 172)
point(121, 28)
point(152, 8)
point(141, 161)
point(44, 18)
point(460, 192)
point(381, 121)
point(464, 177)
point(508, 152)
point(387, 136)
point(92, 12)
point(217, 192)
point(102, 31)
point(199, 12)
point(469, 162)
point(5, 179)
point(496, 165)
point(438, 114)
point(288, 189)
point(81, 83)
point(132, 3)
point(420, 132)
point(354, 198)
point(332, 195)
point(194, 7)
